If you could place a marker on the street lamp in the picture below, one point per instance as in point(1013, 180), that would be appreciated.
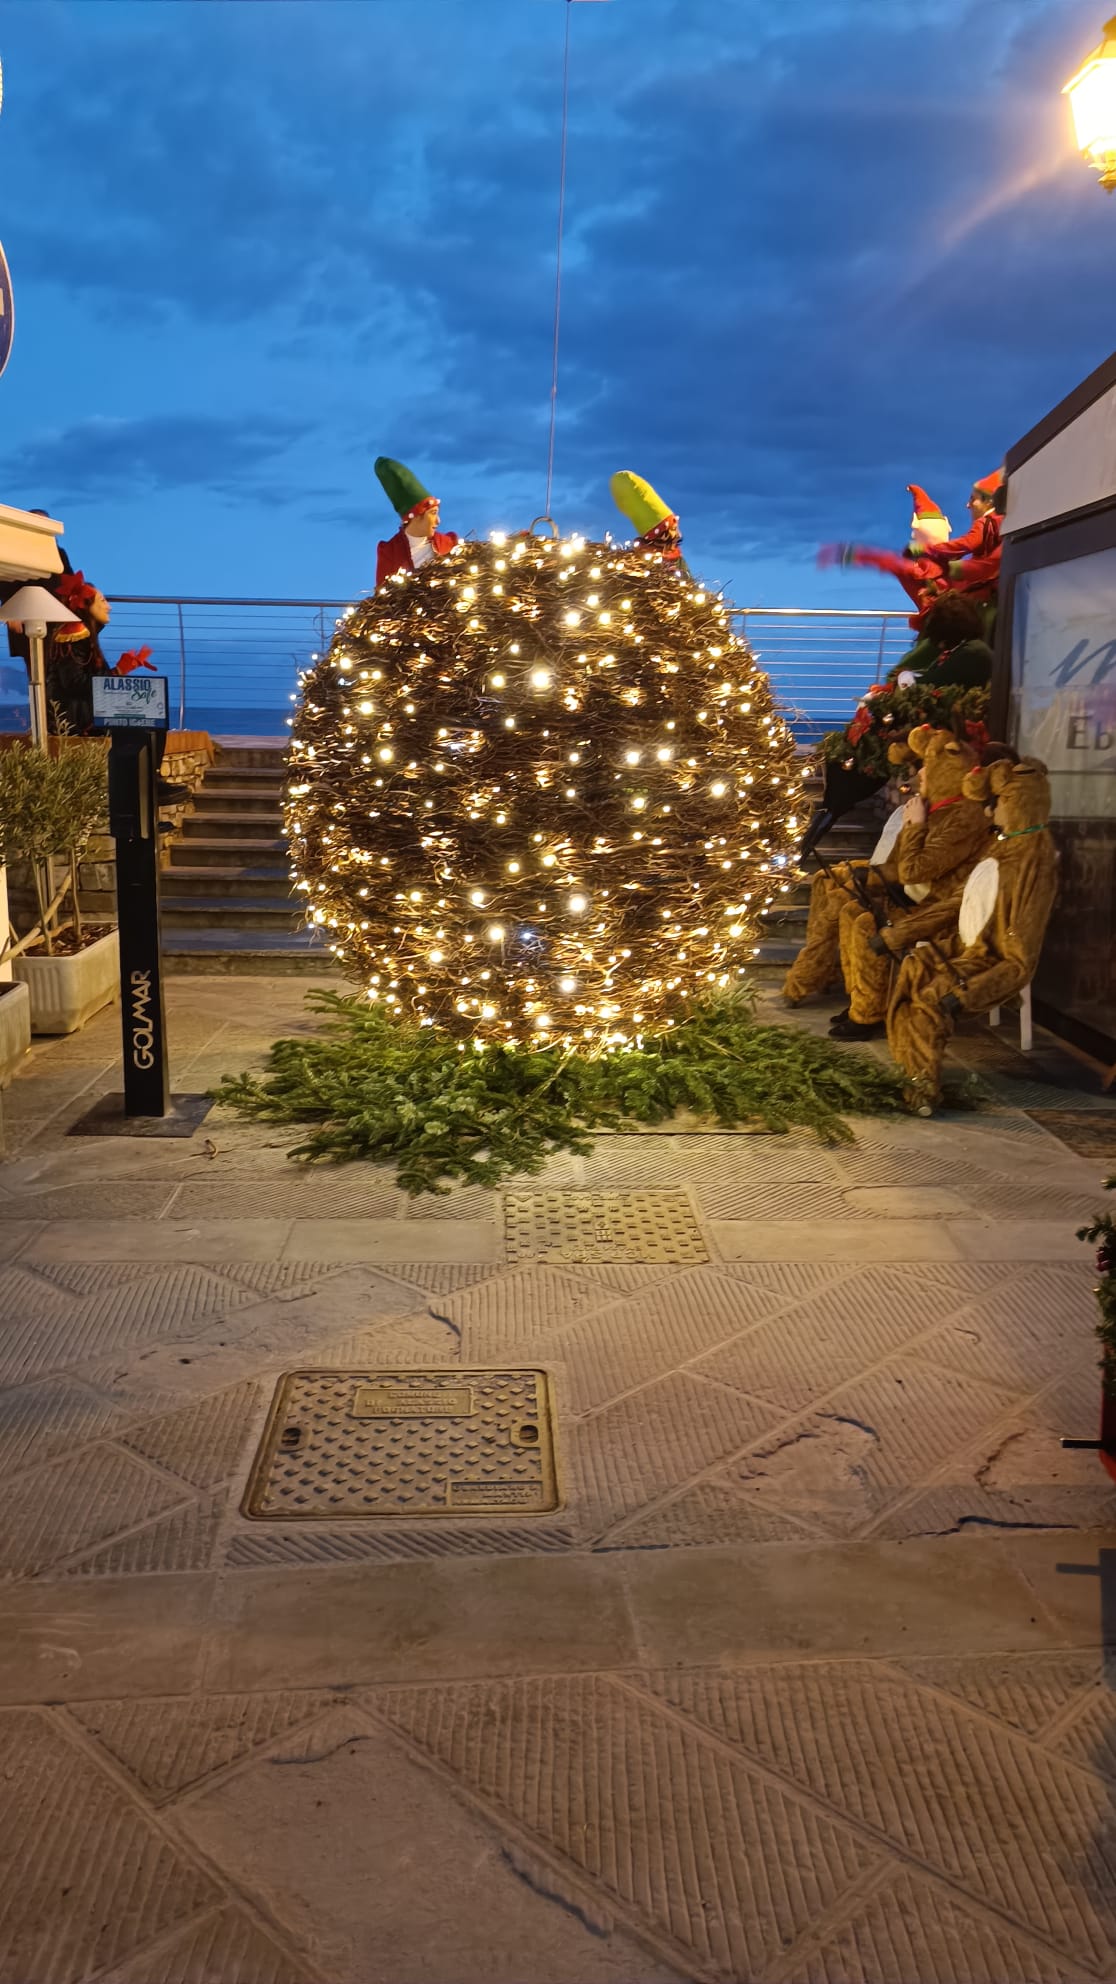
point(34, 608)
point(1092, 95)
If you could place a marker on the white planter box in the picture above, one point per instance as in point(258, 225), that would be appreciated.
point(15, 1029)
point(67, 991)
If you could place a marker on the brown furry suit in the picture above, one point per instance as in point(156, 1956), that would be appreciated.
point(931, 859)
point(941, 974)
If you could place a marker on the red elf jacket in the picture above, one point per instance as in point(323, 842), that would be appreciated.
point(393, 554)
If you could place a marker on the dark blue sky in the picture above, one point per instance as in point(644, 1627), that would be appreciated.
point(816, 249)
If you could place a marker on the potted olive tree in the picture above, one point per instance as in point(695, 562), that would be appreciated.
point(51, 802)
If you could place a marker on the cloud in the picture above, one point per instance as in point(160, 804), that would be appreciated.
point(813, 253)
point(106, 459)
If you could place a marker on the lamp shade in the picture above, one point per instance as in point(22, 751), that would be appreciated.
point(1092, 95)
point(34, 604)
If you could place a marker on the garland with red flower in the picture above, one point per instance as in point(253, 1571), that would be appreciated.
point(1102, 1235)
point(887, 713)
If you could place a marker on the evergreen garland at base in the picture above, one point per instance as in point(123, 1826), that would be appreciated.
point(442, 1111)
point(1102, 1235)
point(888, 713)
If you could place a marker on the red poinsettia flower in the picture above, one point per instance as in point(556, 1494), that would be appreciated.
point(74, 590)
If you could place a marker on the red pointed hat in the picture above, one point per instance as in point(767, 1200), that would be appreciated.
point(923, 507)
point(989, 484)
point(928, 524)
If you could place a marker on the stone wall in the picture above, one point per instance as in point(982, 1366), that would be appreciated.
point(186, 760)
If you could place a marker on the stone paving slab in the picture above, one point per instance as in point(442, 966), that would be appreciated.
point(804, 1683)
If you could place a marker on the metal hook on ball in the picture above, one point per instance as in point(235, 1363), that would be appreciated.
point(544, 519)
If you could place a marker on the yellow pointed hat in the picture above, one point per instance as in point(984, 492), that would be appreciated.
point(642, 505)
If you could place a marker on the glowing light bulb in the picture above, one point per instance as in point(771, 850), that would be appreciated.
point(477, 898)
point(567, 985)
point(577, 904)
point(495, 933)
point(632, 757)
point(718, 790)
point(498, 681)
point(540, 678)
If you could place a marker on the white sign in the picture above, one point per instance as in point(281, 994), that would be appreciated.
point(130, 702)
point(1064, 674)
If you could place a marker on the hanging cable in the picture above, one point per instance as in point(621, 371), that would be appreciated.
point(558, 260)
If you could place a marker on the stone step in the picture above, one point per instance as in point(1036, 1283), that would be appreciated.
point(247, 776)
point(256, 757)
point(214, 825)
point(229, 913)
point(786, 916)
point(776, 950)
point(233, 853)
point(255, 881)
point(248, 952)
point(238, 799)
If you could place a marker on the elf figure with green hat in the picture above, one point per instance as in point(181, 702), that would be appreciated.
point(655, 525)
point(418, 538)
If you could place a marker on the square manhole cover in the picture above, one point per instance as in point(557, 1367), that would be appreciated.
point(339, 1445)
point(602, 1226)
point(1091, 1133)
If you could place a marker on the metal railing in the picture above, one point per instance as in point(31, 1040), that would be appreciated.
point(233, 663)
point(821, 660)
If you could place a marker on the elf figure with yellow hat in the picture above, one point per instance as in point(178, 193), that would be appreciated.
point(418, 538)
point(655, 525)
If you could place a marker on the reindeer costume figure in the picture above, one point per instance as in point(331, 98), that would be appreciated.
point(970, 955)
point(925, 852)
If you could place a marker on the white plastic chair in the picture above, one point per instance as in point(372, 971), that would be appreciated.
point(1026, 1032)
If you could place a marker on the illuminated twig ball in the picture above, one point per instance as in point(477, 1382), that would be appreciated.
point(539, 791)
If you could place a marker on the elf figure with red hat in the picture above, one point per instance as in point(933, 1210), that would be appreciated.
point(418, 538)
point(920, 570)
point(971, 563)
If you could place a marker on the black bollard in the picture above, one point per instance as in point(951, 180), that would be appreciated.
point(134, 825)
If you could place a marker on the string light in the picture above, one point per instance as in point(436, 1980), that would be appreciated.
point(508, 905)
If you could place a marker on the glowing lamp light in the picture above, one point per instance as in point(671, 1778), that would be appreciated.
point(1092, 95)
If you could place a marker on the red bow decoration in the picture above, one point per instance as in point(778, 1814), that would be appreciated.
point(74, 590)
point(129, 662)
point(977, 734)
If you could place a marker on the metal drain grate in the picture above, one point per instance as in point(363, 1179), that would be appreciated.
point(602, 1226)
point(340, 1445)
point(1091, 1133)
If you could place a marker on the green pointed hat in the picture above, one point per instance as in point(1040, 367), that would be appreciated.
point(644, 509)
point(403, 489)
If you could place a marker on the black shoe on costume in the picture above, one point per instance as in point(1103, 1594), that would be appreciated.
point(844, 1028)
point(167, 794)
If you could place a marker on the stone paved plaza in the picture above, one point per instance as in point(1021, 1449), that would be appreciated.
point(803, 1682)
